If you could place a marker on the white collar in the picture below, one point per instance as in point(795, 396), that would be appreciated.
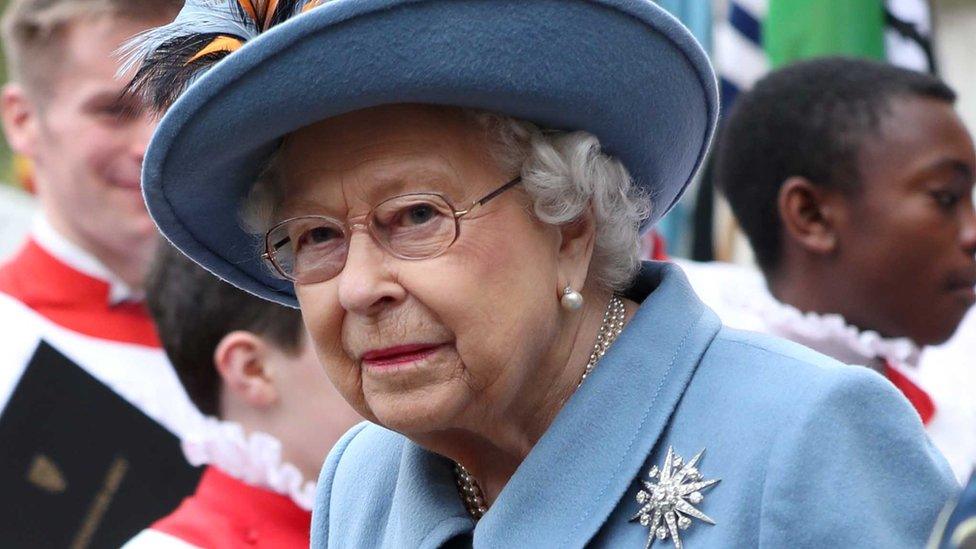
point(72, 255)
point(254, 459)
point(741, 298)
point(832, 335)
point(829, 334)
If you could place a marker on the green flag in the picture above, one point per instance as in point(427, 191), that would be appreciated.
point(800, 29)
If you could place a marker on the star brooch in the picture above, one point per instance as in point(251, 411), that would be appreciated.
point(668, 499)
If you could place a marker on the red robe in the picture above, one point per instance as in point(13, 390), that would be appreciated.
point(919, 398)
point(227, 513)
point(50, 297)
point(45, 296)
point(73, 299)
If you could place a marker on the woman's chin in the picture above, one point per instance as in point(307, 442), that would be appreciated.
point(416, 412)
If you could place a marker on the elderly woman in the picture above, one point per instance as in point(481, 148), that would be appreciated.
point(452, 191)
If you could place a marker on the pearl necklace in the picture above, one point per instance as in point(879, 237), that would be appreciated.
point(612, 326)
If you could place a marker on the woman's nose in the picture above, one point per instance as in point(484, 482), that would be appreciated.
point(366, 283)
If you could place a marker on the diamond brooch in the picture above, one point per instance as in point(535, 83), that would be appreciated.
point(667, 501)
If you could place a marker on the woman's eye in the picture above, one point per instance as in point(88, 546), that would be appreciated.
point(419, 214)
point(409, 213)
point(318, 235)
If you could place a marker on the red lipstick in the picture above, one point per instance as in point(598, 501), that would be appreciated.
point(399, 355)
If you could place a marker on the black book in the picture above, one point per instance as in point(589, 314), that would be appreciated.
point(80, 466)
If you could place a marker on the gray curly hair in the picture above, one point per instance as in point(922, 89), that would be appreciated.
point(563, 174)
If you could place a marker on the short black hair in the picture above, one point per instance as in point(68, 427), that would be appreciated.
point(809, 119)
point(194, 310)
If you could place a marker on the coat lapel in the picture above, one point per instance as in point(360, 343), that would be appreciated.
point(426, 509)
point(578, 472)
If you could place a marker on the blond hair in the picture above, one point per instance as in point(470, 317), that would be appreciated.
point(33, 31)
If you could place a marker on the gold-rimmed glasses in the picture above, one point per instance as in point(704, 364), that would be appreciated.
point(313, 248)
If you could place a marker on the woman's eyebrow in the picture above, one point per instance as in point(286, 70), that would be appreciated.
point(375, 189)
point(433, 179)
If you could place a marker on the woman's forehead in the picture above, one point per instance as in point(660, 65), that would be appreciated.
point(372, 178)
point(390, 127)
point(376, 152)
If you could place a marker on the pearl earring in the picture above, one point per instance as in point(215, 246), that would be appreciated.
point(571, 299)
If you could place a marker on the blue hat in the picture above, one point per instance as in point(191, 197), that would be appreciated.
point(624, 70)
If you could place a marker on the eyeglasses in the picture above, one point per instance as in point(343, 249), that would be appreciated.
point(313, 248)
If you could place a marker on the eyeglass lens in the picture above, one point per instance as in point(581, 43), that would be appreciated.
point(313, 248)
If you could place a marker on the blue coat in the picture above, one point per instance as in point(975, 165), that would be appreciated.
point(810, 452)
point(957, 526)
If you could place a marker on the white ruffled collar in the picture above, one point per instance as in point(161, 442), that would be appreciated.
point(828, 333)
point(254, 459)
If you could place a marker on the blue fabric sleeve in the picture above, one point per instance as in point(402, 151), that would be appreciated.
point(852, 467)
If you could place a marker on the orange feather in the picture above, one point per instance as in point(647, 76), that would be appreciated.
point(249, 8)
point(261, 11)
point(269, 10)
point(221, 43)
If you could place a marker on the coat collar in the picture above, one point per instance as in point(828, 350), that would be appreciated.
point(426, 508)
point(578, 472)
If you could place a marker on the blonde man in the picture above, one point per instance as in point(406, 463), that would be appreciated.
point(78, 453)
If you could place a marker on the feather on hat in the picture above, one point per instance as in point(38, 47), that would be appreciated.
point(171, 57)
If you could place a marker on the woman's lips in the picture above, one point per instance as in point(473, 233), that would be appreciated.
point(399, 355)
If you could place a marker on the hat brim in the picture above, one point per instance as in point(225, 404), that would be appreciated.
point(624, 70)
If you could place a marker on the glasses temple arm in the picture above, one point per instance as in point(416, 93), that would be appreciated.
point(490, 196)
point(498, 191)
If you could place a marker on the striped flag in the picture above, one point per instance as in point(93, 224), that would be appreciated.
point(739, 55)
point(757, 35)
point(908, 34)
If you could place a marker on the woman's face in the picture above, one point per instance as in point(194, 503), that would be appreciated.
point(425, 345)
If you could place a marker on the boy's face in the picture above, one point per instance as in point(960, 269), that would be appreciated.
point(907, 238)
point(86, 150)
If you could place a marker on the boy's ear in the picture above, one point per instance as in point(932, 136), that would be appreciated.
point(242, 360)
point(20, 119)
point(808, 214)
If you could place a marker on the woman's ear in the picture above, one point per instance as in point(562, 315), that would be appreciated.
point(808, 214)
point(19, 116)
point(242, 360)
point(576, 250)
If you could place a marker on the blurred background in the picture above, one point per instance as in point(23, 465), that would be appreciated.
point(745, 38)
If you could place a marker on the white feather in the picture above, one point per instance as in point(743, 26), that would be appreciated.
point(196, 17)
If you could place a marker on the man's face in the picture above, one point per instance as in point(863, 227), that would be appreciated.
point(88, 150)
point(907, 238)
